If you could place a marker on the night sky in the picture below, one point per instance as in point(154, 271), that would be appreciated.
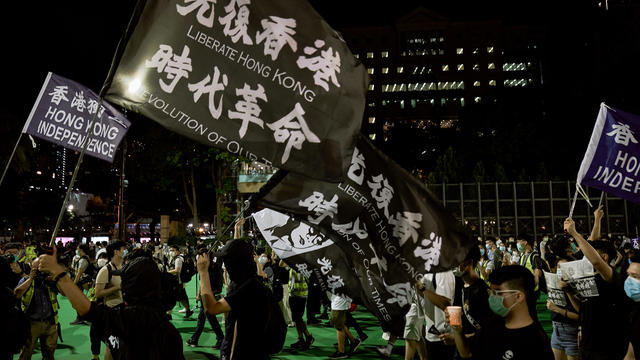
point(78, 41)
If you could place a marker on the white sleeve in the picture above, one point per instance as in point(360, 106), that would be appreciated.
point(446, 283)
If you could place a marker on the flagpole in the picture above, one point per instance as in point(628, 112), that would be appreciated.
point(573, 203)
point(10, 159)
point(85, 144)
point(601, 199)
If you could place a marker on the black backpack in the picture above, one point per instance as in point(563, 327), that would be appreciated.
point(16, 335)
point(170, 289)
point(188, 269)
point(275, 328)
point(90, 273)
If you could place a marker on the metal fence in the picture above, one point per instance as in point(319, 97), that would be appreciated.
point(536, 208)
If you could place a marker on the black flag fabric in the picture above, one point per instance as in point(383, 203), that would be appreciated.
point(357, 274)
point(268, 80)
point(380, 207)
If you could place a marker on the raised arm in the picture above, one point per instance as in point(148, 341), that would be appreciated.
point(49, 264)
point(589, 252)
point(211, 305)
point(597, 220)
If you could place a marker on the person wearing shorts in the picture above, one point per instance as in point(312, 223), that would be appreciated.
point(339, 307)
point(414, 329)
point(297, 302)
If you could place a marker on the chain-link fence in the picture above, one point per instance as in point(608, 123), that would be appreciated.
point(536, 208)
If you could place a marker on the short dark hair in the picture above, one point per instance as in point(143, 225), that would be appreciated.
point(606, 247)
point(174, 246)
point(111, 248)
point(473, 254)
point(559, 244)
point(517, 277)
point(85, 248)
point(526, 237)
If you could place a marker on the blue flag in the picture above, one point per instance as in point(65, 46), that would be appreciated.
point(612, 160)
point(63, 115)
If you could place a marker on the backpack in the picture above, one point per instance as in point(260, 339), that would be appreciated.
point(90, 272)
point(92, 289)
point(275, 328)
point(188, 269)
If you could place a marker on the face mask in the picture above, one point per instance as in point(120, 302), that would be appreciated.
point(574, 248)
point(520, 247)
point(490, 255)
point(632, 288)
point(481, 252)
point(262, 260)
point(502, 248)
point(77, 252)
point(496, 305)
point(125, 252)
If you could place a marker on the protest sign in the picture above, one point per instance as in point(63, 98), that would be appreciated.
point(64, 112)
point(580, 276)
point(554, 293)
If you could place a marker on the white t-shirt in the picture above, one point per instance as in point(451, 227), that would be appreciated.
point(177, 264)
point(115, 298)
point(340, 302)
point(445, 286)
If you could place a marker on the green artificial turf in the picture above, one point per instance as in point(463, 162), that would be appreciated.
point(77, 346)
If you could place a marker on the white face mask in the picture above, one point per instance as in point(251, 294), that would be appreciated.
point(262, 260)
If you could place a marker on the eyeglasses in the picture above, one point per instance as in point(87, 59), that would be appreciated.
point(503, 292)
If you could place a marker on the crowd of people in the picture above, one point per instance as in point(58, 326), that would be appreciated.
point(484, 309)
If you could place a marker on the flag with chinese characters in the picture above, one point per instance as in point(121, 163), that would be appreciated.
point(612, 160)
point(379, 208)
point(268, 80)
point(357, 274)
point(64, 113)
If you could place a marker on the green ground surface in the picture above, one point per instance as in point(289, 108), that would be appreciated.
point(77, 345)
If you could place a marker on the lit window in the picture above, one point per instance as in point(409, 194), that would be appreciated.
point(460, 67)
point(491, 66)
point(489, 49)
point(413, 103)
point(403, 87)
point(357, 56)
point(492, 83)
point(476, 67)
point(372, 136)
point(385, 70)
point(477, 99)
point(441, 39)
point(400, 69)
point(401, 104)
point(476, 83)
point(445, 67)
point(371, 87)
point(443, 101)
point(433, 39)
point(369, 55)
point(476, 50)
point(462, 102)
point(370, 71)
point(371, 104)
point(372, 119)
point(384, 54)
point(441, 52)
point(459, 51)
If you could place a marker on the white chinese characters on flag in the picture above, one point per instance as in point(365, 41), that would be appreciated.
point(268, 80)
point(612, 160)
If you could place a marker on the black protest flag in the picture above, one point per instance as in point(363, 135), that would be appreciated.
point(268, 80)
point(314, 253)
point(379, 206)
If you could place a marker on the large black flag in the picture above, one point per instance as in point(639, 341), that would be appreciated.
point(357, 274)
point(268, 80)
point(379, 206)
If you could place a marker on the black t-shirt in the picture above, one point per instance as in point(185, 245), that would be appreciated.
point(604, 319)
point(497, 342)
point(133, 332)
point(248, 303)
point(475, 304)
